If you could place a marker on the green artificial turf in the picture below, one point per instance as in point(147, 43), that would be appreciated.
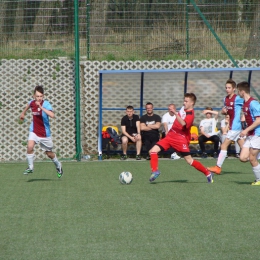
point(88, 214)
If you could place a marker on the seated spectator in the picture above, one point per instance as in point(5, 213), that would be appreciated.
point(224, 130)
point(150, 124)
point(208, 131)
point(167, 122)
point(131, 132)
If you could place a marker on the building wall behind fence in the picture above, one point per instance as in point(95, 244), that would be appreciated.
point(19, 77)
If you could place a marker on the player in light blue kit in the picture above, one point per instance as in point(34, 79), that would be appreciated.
point(232, 107)
point(251, 147)
point(40, 130)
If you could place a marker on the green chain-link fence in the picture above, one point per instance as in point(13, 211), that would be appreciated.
point(131, 29)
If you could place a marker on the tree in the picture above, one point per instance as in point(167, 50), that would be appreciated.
point(253, 45)
point(98, 20)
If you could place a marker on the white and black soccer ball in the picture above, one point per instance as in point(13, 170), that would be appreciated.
point(125, 177)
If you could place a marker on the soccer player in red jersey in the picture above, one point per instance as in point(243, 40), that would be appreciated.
point(40, 130)
point(178, 138)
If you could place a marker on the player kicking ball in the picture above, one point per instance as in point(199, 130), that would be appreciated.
point(251, 147)
point(40, 130)
point(178, 138)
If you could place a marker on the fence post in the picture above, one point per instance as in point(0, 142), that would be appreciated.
point(187, 30)
point(77, 80)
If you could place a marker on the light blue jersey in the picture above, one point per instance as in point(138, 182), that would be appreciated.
point(234, 106)
point(251, 110)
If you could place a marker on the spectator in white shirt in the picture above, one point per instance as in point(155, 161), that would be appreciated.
point(208, 131)
point(167, 122)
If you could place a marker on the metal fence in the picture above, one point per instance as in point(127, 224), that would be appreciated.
point(131, 29)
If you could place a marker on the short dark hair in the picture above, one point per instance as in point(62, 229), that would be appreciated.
point(192, 96)
point(232, 82)
point(209, 108)
point(130, 107)
point(39, 89)
point(244, 85)
point(149, 103)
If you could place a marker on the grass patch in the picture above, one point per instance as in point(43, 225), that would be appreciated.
point(88, 214)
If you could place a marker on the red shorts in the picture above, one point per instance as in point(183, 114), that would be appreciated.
point(176, 141)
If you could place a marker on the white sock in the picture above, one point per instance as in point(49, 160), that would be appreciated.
point(30, 158)
point(56, 162)
point(221, 157)
point(256, 171)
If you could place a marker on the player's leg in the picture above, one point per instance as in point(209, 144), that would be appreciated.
point(32, 140)
point(154, 162)
point(47, 145)
point(163, 144)
point(240, 142)
point(30, 157)
point(231, 136)
point(255, 165)
point(238, 149)
point(254, 151)
point(198, 166)
point(124, 140)
point(244, 152)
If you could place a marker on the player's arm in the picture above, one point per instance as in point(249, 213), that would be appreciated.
point(251, 127)
point(224, 111)
point(22, 116)
point(180, 120)
point(49, 112)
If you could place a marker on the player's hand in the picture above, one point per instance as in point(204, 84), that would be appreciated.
point(22, 117)
point(243, 134)
point(224, 110)
point(172, 110)
point(38, 104)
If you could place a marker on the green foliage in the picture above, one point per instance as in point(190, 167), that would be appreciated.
point(110, 57)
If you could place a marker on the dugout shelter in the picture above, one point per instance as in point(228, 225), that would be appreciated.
point(119, 88)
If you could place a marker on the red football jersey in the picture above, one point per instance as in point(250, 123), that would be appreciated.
point(188, 117)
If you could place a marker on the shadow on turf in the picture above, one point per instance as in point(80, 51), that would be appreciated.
point(243, 182)
point(33, 180)
point(178, 181)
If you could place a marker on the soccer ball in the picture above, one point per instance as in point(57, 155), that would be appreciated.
point(125, 178)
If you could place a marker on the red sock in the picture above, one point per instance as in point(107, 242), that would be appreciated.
point(154, 161)
point(200, 167)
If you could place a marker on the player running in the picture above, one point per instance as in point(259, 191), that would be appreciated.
point(40, 130)
point(251, 147)
point(232, 107)
point(178, 138)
